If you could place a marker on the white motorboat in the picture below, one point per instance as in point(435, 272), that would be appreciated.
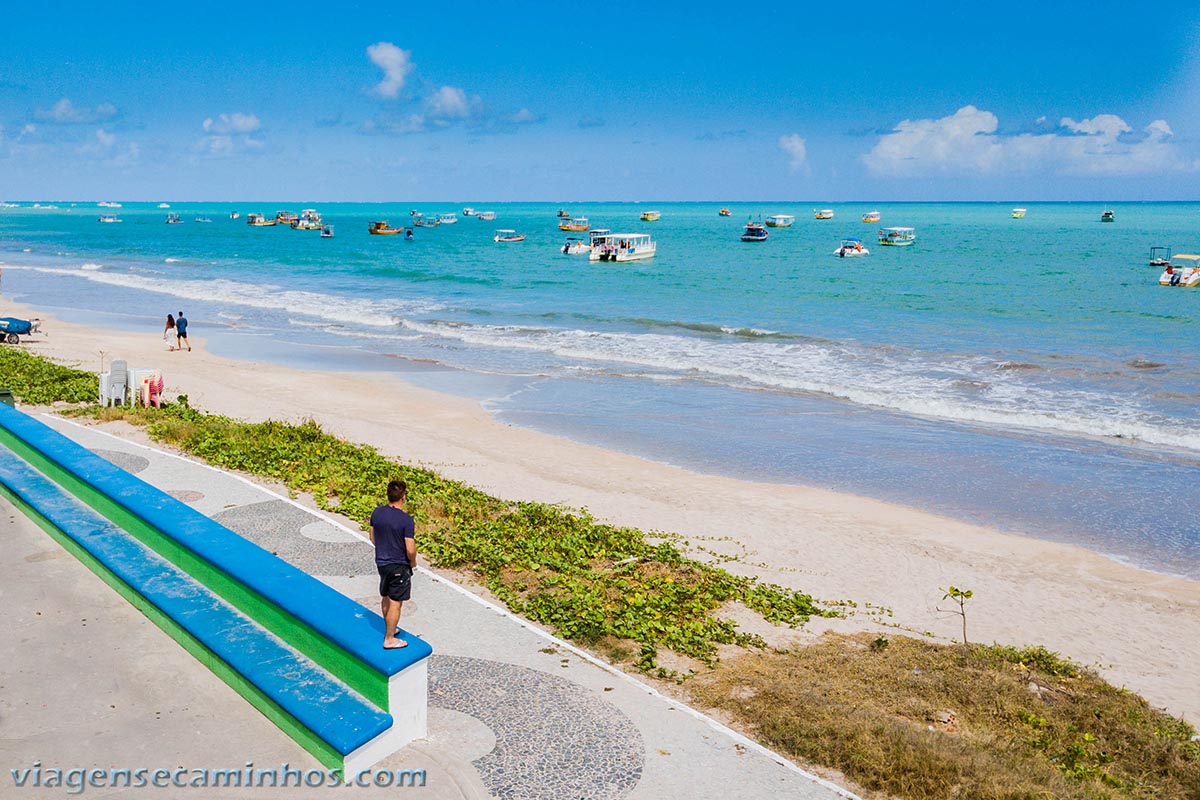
point(506, 235)
point(327, 232)
point(851, 248)
point(622, 247)
point(468, 212)
point(108, 218)
point(447, 219)
point(576, 247)
point(1187, 277)
point(486, 216)
point(780, 221)
point(823, 213)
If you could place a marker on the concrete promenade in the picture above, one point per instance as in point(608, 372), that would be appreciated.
point(86, 681)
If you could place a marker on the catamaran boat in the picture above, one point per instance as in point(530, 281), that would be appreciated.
point(381, 228)
point(576, 247)
point(897, 237)
point(327, 232)
point(1188, 277)
point(108, 218)
point(506, 235)
point(824, 213)
point(1107, 216)
point(486, 216)
point(447, 219)
point(851, 248)
point(173, 219)
point(651, 216)
point(622, 247)
point(755, 232)
point(871, 216)
point(1160, 256)
point(780, 221)
point(1018, 213)
point(259, 221)
point(574, 224)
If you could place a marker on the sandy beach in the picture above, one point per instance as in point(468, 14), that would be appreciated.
point(1140, 629)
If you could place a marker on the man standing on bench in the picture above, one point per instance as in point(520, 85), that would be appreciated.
point(393, 534)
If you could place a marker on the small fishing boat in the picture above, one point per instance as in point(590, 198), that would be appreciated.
point(259, 221)
point(447, 219)
point(173, 219)
point(755, 232)
point(309, 220)
point(110, 218)
point(1018, 213)
point(486, 216)
point(651, 216)
point(327, 232)
point(422, 221)
point(574, 224)
point(468, 212)
point(381, 228)
point(108, 204)
point(622, 247)
point(871, 216)
point(1187, 277)
point(160, 205)
point(562, 212)
point(234, 215)
point(506, 235)
point(725, 212)
point(1107, 216)
point(286, 217)
point(780, 221)
point(1160, 256)
point(897, 237)
point(823, 213)
point(851, 248)
point(576, 247)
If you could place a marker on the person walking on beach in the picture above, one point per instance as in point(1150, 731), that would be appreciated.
point(170, 335)
point(393, 533)
point(181, 324)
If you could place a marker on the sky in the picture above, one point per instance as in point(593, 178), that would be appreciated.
point(511, 101)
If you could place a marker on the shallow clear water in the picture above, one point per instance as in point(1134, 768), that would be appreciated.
point(1028, 374)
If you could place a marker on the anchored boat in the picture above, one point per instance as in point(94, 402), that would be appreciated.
point(897, 237)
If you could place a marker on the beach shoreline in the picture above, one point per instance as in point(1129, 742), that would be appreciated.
point(1140, 629)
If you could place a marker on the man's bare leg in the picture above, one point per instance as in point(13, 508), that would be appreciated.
point(391, 618)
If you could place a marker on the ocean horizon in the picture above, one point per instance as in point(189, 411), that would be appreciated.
point(1029, 375)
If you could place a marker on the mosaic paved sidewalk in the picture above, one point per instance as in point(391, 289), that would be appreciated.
point(513, 713)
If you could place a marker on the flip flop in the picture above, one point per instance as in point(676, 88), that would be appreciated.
point(396, 646)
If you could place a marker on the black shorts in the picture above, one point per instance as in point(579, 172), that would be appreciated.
point(395, 581)
point(181, 335)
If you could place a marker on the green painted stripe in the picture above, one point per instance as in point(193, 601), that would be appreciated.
point(363, 678)
point(314, 744)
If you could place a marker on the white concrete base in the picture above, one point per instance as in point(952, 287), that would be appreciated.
point(408, 703)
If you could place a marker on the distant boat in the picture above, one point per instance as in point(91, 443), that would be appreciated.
point(755, 232)
point(725, 212)
point(576, 247)
point(259, 221)
point(286, 217)
point(203, 219)
point(1160, 256)
point(824, 213)
point(234, 215)
point(651, 216)
point(108, 204)
point(164, 205)
point(381, 229)
point(563, 213)
point(897, 237)
point(486, 216)
point(851, 248)
point(421, 221)
point(173, 219)
point(574, 224)
point(107, 218)
point(871, 216)
point(1018, 213)
point(1107, 216)
point(309, 220)
point(780, 221)
point(447, 219)
point(327, 232)
point(468, 212)
point(505, 235)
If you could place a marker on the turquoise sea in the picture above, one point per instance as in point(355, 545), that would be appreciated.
point(1027, 374)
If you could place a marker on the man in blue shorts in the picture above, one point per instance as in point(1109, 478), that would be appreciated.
point(393, 534)
point(181, 331)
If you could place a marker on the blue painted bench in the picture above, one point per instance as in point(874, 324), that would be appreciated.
point(341, 636)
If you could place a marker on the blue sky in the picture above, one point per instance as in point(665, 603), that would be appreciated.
point(618, 101)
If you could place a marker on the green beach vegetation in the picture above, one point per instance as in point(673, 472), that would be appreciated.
point(900, 717)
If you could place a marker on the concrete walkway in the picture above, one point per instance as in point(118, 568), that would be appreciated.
point(514, 713)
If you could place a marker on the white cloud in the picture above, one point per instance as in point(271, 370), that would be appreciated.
point(216, 145)
point(796, 149)
point(396, 65)
point(236, 122)
point(64, 112)
point(523, 116)
point(966, 143)
point(450, 102)
point(105, 138)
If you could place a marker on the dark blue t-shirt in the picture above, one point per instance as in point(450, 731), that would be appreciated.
point(181, 326)
point(392, 526)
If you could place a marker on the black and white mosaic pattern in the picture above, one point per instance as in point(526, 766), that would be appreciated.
point(276, 527)
point(127, 461)
point(554, 739)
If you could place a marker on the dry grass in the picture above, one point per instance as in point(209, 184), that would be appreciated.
point(912, 719)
